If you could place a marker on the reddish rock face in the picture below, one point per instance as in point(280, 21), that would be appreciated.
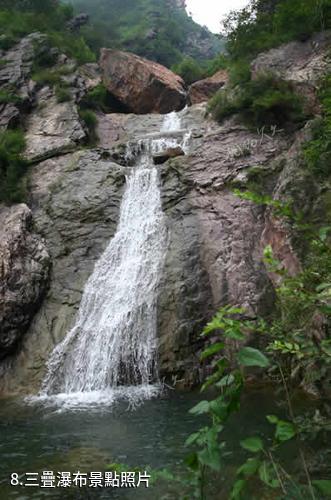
point(142, 86)
point(203, 90)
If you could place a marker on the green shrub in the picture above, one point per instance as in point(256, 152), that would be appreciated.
point(50, 76)
point(190, 70)
point(62, 94)
point(98, 99)
point(8, 97)
point(12, 166)
point(90, 120)
point(221, 61)
point(239, 72)
point(224, 104)
point(19, 18)
point(317, 152)
point(265, 24)
point(267, 100)
point(46, 77)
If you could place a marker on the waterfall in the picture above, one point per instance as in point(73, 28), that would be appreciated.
point(113, 343)
point(171, 122)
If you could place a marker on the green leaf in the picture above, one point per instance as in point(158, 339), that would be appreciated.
point(192, 461)
point(213, 349)
point(234, 334)
point(219, 407)
point(325, 309)
point(284, 431)
point(192, 438)
point(266, 473)
point(211, 457)
point(238, 486)
point(253, 444)
point(324, 486)
point(226, 381)
point(323, 286)
point(323, 232)
point(200, 408)
point(248, 356)
point(272, 419)
point(250, 467)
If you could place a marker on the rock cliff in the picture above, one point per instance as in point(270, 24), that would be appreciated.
point(216, 240)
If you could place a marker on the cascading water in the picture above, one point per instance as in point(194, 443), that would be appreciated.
point(112, 346)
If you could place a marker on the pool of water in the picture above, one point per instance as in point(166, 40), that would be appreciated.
point(36, 438)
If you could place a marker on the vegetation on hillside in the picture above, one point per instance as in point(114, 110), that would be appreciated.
point(268, 23)
point(150, 28)
point(21, 17)
point(267, 100)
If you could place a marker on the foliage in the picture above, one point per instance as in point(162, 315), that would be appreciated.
point(62, 94)
point(296, 349)
point(98, 99)
point(317, 152)
point(7, 97)
point(149, 28)
point(266, 100)
point(12, 166)
point(20, 17)
point(90, 120)
point(189, 69)
point(268, 23)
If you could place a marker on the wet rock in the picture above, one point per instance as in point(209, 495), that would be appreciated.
point(203, 90)
point(24, 271)
point(142, 86)
point(164, 156)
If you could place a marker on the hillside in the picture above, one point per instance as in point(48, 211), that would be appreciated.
point(160, 30)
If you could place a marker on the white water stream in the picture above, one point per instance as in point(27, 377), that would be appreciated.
point(112, 349)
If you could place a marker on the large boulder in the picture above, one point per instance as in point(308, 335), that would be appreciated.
point(203, 90)
point(141, 86)
point(24, 270)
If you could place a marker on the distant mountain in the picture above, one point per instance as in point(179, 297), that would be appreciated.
point(160, 30)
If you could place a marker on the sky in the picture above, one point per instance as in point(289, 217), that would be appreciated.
point(210, 12)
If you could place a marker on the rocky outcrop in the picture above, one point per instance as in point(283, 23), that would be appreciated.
point(140, 85)
point(301, 63)
point(203, 90)
point(15, 70)
point(24, 271)
point(53, 128)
